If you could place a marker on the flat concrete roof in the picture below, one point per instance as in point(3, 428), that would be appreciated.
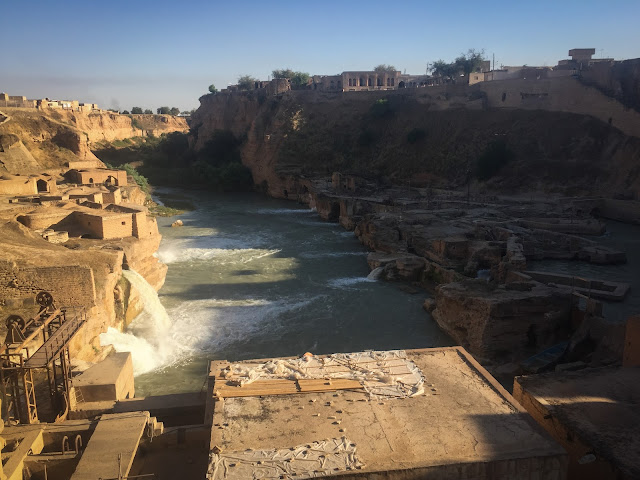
point(596, 411)
point(116, 434)
point(106, 372)
point(464, 426)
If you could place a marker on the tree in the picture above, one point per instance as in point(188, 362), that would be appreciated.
point(163, 110)
point(213, 89)
point(283, 73)
point(470, 61)
point(125, 112)
point(382, 68)
point(441, 68)
point(148, 112)
point(174, 111)
point(136, 110)
point(246, 82)
point(298, 79)
point(463, 64)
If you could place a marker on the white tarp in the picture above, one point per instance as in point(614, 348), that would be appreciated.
point(317, 459)
point(382, 373)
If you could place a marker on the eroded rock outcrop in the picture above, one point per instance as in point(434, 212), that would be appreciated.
point(496, 321)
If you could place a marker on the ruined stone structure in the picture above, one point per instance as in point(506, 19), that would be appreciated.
point(26, 185)
point(98, 175)
point(114, 221)
point(369, 80)
point(17, 101)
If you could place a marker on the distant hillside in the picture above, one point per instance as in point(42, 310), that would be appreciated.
point(33, 140)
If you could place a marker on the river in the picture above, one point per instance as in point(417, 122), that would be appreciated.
point(254, 277)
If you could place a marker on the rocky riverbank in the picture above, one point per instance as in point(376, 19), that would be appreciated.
point(472, 253)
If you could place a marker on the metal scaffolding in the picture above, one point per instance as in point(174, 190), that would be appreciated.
point(48, 333)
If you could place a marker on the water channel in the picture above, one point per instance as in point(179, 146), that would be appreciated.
point(254, 277)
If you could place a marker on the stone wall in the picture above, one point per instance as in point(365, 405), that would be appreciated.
point(41, 220)
point(93, 176)
point(105, 226)
point(18, 186)
point(114, 196)
point(70, 285)
point(561, 95)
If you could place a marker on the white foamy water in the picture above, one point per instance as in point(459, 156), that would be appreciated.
point(349, 281)
point(281, 211)
point(331, 254)
point(147, 337)
point(175, 253)
point(375, 273)
point(199, 325)
point(251, 277)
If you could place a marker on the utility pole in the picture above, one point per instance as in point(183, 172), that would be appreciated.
point(494, 62)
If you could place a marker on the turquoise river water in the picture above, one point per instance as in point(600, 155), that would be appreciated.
point(254, 277)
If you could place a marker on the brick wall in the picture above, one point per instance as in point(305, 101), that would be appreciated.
point(37, 221)
point(112, 197)
point(119, 226)
point(21, 186)
point(92, 224)
point(70, 285)
point(90, 177)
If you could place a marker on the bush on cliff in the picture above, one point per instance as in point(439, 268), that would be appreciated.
point(381, 108)
point(141, 180)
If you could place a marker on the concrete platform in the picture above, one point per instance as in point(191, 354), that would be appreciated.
point(116, 434)
point(111, 379)
point(465, 426)
point(594, 414)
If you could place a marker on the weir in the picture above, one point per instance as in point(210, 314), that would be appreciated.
point(147, 337)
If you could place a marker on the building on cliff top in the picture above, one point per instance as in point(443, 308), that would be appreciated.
point(18, 101)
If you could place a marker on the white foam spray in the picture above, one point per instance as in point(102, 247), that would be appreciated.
point(375, 273)
point(147, 337)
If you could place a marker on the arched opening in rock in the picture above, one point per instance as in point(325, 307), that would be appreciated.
point(42, 186)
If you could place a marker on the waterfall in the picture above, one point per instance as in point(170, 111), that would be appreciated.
point(147, 337)
point(375, 273)
point(153, 320)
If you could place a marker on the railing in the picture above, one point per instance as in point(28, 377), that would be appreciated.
point(58, 340)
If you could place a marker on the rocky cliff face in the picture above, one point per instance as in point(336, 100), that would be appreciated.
point(390, 167)
point(431, 135)
point(53, 138)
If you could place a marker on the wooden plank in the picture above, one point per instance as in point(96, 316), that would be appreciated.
point(323, 385)
point(255, 389)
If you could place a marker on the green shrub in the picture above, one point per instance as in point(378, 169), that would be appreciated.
point(381, 109)
point(136, 124)
point(141, 180)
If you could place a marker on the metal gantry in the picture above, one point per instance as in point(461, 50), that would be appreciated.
point(48, 333)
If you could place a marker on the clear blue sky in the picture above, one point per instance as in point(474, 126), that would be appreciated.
point(152, 53)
